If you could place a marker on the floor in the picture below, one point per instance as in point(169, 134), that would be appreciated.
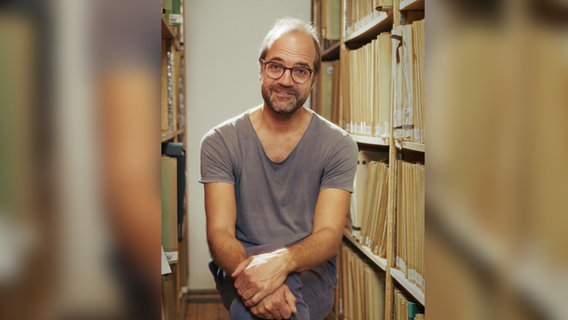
point(204, 305)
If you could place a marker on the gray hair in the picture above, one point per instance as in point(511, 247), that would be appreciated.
point(285, 25)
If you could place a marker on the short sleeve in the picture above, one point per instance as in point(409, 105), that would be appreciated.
point(216, 163)
point(339, 170)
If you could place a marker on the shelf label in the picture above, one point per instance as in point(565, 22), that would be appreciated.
point(175, 19)
point(171, 256)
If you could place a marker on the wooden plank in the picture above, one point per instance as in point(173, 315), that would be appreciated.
point(389, 290)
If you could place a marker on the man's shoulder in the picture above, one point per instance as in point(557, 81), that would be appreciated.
point(232, 123)
point(329, 129)
point(228, 127)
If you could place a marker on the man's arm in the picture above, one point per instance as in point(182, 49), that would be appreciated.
point(227, 251)
point(221, 212)
point(260, 275)
point(329, 221)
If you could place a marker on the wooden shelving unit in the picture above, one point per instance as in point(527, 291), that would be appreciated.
point(355, 37)
point(172, 138)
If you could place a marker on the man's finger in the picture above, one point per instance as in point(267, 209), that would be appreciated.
point(255, 299)
point(291, 300)
point(285, 312)
point(241, 267)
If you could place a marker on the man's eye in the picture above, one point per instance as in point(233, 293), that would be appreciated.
point(301, 71)
point(274, 67)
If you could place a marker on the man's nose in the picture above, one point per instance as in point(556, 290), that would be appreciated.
point(286, 78)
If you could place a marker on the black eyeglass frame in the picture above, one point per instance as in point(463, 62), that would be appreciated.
point(284, 68)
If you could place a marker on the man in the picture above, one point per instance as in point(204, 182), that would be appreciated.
point(277, 182)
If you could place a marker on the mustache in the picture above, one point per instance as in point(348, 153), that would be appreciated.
point(284, 89)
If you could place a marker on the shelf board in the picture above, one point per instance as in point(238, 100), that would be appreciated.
point(415, 146)
point(168, 33)
point(331, 53)
point(167, 135)
point(461, 226)
point(532, 273)
point(380, 262)
point(411, 5)
point(376, 141)
point(539, 277)
point(370, 30)
point(416, 292)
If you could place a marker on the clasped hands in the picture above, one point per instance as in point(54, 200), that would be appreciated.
point(259, 281)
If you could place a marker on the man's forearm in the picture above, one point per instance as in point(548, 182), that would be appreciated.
point(323, 243)
point(227, 252)
point(220, 207)
point(314, 250)
point(258, 276)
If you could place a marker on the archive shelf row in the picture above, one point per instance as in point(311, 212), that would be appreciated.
point(363, 54)
point(172, 111)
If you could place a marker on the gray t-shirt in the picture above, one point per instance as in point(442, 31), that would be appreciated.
point(276, 201)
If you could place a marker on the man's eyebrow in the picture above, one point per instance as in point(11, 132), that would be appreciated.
point(303, 64)
point(297, 64)
point(275, 59)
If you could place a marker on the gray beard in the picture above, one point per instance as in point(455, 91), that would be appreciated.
point(288, 110)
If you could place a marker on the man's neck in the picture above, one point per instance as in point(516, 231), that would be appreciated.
point(278, 123)
point(279, 136)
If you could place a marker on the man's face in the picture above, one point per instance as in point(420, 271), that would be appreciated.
point(284, 96)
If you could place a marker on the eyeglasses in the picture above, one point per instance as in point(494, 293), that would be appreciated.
point(275, 70)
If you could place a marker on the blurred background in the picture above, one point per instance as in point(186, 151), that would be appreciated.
point(78, 79)
point(496, 180)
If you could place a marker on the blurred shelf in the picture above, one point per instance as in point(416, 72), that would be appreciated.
point(411, 5)
point(168, 135)
point(530, 271)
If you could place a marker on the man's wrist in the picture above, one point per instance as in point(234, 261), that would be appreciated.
point(290, 263)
